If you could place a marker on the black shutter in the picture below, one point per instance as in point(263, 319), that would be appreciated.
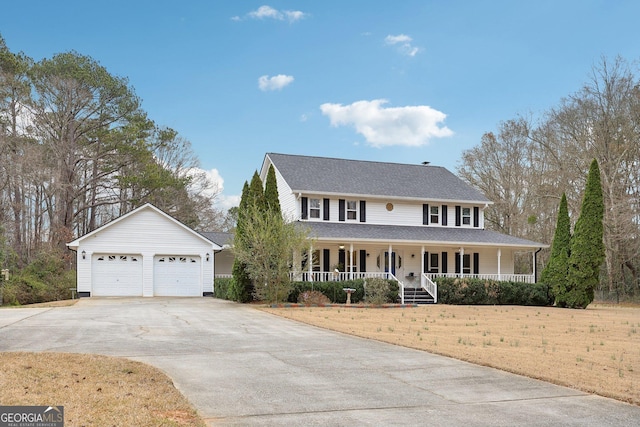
point(325, 209)
point(325, 260)
point(363, 260)
point(458, 215)
point(476, 216)
point(363, 211)
point(303, 214)
point(425, 260)
point(444, 214)
point(341, 210)
point(341, 259)
point(425, 214)
point(476, 263)
point(443, 261)
point(457, 262)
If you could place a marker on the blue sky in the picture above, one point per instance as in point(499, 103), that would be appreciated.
point(401, 81)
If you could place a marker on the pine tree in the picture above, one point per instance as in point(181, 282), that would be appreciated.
point(555, 273)
point(587, 247)
point(241, 288)
point(271, 191)
point(256, 193)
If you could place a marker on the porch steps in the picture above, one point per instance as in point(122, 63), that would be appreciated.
point(417, 296)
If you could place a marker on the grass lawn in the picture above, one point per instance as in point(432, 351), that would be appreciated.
point(596, 350)
point(94, 390)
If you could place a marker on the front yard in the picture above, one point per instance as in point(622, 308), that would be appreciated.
point(595, 350)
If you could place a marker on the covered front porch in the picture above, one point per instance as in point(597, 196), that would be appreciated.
point(415, 268)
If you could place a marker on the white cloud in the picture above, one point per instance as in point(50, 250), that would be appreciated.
point(215, 188)
point(265, 12)
point(400, 38)
point(266, 83)
point(212, 185)
point(411, 126)
point(225, 202)
point(403, 44)
point(268, 12)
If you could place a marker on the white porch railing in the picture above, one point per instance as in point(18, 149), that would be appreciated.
point(222, 276)
point(430, 286)
point(341, 276)
point(525, 278)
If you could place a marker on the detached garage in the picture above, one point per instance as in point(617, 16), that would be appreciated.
point(144, 253)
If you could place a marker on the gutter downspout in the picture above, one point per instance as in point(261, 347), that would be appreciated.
point(535, 265)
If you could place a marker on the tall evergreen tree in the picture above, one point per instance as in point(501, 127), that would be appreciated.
point(555, 273)
point(241, 288)
point(271, 192)
point(256, 192)
point(587, 247)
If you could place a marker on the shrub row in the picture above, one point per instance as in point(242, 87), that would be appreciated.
point(469, 291)
point(336, 294)
point(222, 288)
point(45, 279)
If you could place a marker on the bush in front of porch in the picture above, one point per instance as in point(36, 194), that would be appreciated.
point(470, 291)
point(335, 290)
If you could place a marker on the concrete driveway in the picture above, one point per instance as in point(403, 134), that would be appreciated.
point(240, 366)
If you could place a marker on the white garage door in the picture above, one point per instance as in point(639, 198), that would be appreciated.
point(176, 275)
point(116, 275)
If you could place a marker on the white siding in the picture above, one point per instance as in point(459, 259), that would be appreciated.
point(288, 201)
point(403, 212)
point(224, 262)
point(145, 232)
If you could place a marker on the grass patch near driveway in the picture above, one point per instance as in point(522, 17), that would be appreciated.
point(596, 350)
point(94, 390)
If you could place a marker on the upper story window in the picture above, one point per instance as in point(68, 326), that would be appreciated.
point(352, 210)
point(466, 216)
point(434, 214)
point(314, 208)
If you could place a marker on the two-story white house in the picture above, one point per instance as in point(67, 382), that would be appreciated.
point(414, 223)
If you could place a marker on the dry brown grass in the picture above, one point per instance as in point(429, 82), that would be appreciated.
point(94, 390)
point(596, 350)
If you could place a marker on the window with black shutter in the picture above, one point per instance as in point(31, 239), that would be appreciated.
point(341, 260)
point(444, 262)
point(325, 260)
point(363, 260)
point(305, 205)
point(476, 216)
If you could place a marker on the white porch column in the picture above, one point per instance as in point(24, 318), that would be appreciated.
point(310, 263)
point(499, 256)
point(461, 262)
point(350, 261)
point(389, 260)
point(421, 262)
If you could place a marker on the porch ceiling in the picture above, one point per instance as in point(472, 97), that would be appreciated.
point(414, 234)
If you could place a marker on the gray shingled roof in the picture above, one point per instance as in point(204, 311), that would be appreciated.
point(357, 177)
point(397, 233)
point(219, 237)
